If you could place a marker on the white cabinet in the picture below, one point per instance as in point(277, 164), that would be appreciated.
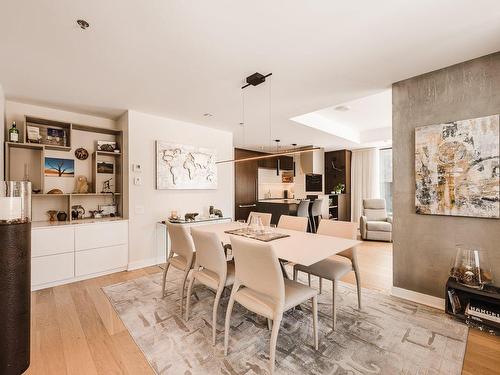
point(71, 252)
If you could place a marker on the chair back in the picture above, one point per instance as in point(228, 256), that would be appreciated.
point(181, 242)
point(264, 217)
point(293, 223)
point(209, 252)
point(303, 209)
point(316, 207)
point(257, 267)
point(343, 229)
point(374, 209)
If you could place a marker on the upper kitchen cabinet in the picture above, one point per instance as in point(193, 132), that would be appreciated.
point(286, 163)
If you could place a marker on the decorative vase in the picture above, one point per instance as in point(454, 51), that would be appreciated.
point(471, 267)
point(62, 216)
point(15, 276)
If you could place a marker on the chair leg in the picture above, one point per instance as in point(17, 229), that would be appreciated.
point(334, 306)
point(358, 286)
point(214, 312)
point(188, 297)
point(269, 324)
point(274, 339)
point(309, 279)
point(167, 265)
point(320, 285)
point(314, 224)
point(227, 323)
point(183, 287)
point(315, 321)
point(295, 274)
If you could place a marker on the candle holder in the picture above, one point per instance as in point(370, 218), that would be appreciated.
point(15, 276)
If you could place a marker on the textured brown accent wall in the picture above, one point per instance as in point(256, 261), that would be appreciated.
point(424, 245)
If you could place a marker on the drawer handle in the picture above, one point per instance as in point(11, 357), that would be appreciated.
point(247, 205)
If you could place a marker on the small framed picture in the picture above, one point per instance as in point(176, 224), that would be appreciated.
point(33, 134)
point(107, 146)
point(55, 167)
point(107, 167)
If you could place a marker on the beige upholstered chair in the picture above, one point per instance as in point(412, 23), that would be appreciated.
point(316, 213)
point(264, 217)
point(265, 292)
point(293, 223)
point(181, 254)
point(335, 267)
point(211, 269)
point(375, 224)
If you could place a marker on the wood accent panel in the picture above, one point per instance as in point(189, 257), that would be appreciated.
point(245, 183)
point(341, 159)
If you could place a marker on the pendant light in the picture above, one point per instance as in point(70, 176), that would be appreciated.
point(278, 159)
point(294, 172)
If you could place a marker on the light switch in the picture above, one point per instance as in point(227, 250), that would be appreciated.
point(136, 168)
point(137, 181)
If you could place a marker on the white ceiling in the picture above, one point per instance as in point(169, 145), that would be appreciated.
point(181, 59)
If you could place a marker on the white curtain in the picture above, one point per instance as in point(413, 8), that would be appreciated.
point(364, 179)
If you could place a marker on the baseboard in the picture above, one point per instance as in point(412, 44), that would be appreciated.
point(142, 263)
point(413, 296)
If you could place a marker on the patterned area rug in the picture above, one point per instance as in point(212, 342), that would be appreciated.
point(388, 336)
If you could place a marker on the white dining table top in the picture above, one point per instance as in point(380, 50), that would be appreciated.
point(301, 247)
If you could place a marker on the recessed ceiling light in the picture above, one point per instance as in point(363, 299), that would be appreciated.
point(83, 24)
point(342, 108)
point(207, 115)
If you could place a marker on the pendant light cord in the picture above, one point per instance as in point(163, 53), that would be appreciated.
point(270, 122)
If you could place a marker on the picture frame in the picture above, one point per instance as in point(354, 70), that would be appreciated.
point(107, 146)
point(58, 167)
point(105, 167)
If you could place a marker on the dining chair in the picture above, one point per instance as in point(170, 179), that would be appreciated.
point(303, 211)
point(293, 223)
point(210, 269)
point(264, 217)
point(335, 267)
point(181, 255)
point(316, 213)
point(265, 292)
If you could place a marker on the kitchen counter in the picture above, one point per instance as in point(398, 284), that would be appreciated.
point(278, 207)
point(280, 201)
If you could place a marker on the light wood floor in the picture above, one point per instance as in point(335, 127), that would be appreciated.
point(76, 331)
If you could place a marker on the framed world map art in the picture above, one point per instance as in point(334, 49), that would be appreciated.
point(457, 169)
point(185, 167)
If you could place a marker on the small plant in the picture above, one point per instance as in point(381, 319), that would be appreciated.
point(339, 188)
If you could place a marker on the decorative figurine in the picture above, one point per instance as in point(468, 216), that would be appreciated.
point(82, 186)
point(190, 216)
point(81, 153)
point(55, 191)
point(52, 215)
point(217, 212)
point(106, 186)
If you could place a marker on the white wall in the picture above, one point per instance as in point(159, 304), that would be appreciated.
point(148, 205)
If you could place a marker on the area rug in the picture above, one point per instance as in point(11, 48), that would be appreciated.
point(388, 336)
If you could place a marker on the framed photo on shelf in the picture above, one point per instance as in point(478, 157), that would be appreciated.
point(107, 167)
point(107, 146)
point(55, 167)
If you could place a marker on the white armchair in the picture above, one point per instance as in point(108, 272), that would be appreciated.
point(375, 224)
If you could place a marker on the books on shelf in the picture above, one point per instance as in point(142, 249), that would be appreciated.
point(455, 304)
point(483, 312)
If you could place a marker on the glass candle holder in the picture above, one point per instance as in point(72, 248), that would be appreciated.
point(471, 267)
point(15, 202)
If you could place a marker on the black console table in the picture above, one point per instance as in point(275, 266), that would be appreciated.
point(459, 296)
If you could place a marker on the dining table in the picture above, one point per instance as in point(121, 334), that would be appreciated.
point(299, 247)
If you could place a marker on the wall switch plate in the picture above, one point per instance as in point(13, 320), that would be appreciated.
point(137, 168)
point(137, 181)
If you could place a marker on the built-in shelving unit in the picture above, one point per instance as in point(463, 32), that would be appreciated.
point(25, 160)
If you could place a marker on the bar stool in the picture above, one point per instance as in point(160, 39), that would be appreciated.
point(303, 211)
point(316, 213)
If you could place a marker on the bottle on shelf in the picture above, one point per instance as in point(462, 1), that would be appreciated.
point(13, 133)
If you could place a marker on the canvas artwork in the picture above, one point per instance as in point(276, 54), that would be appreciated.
point(185, 167)
point(55, 167)
point(457, 168)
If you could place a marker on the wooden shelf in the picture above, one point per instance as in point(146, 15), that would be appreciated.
point(108, 153)
point(56, 147)
point(34, 146)
point(332, 206)
point(50, 195)
point(93, 194)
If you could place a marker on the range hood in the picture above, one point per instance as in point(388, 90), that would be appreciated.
point(313, 162)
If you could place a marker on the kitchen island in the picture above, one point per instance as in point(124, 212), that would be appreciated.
point(278, 207)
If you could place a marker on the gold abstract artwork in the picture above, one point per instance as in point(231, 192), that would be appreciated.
point(457, 168)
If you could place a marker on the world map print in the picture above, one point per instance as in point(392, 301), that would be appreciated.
point(185, 167)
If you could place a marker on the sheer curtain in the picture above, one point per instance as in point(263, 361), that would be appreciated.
point(364, 179)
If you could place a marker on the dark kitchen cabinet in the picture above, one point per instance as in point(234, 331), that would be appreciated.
point(245, 183)
point(286, 163)
point(338, 170)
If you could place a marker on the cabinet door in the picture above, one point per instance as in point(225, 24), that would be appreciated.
point(52, 268)
point(286, 163)
point(245, 183)
point(101, 235)
point(88, 262)
point(51, 241)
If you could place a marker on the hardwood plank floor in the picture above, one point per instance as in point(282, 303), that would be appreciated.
point(75, 330)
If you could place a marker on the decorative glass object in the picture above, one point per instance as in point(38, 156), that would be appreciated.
point(471, 267)
point(15, 202)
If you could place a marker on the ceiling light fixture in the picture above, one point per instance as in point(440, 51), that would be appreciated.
point(84, 25)
point(342, 108)
point(288, 152)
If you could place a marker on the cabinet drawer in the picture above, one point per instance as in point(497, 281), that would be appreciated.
point(99, 260)
point(52, 268)
point(101, 235)
point(51, 241)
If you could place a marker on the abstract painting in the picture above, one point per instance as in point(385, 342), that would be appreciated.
point(185, 167)
point(55, 167)
point(457, 168)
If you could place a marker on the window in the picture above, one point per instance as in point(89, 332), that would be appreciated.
point(385, 171)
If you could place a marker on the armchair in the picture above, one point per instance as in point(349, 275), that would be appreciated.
point(375, 224)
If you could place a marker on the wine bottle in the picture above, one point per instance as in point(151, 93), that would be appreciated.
point(13, 133)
